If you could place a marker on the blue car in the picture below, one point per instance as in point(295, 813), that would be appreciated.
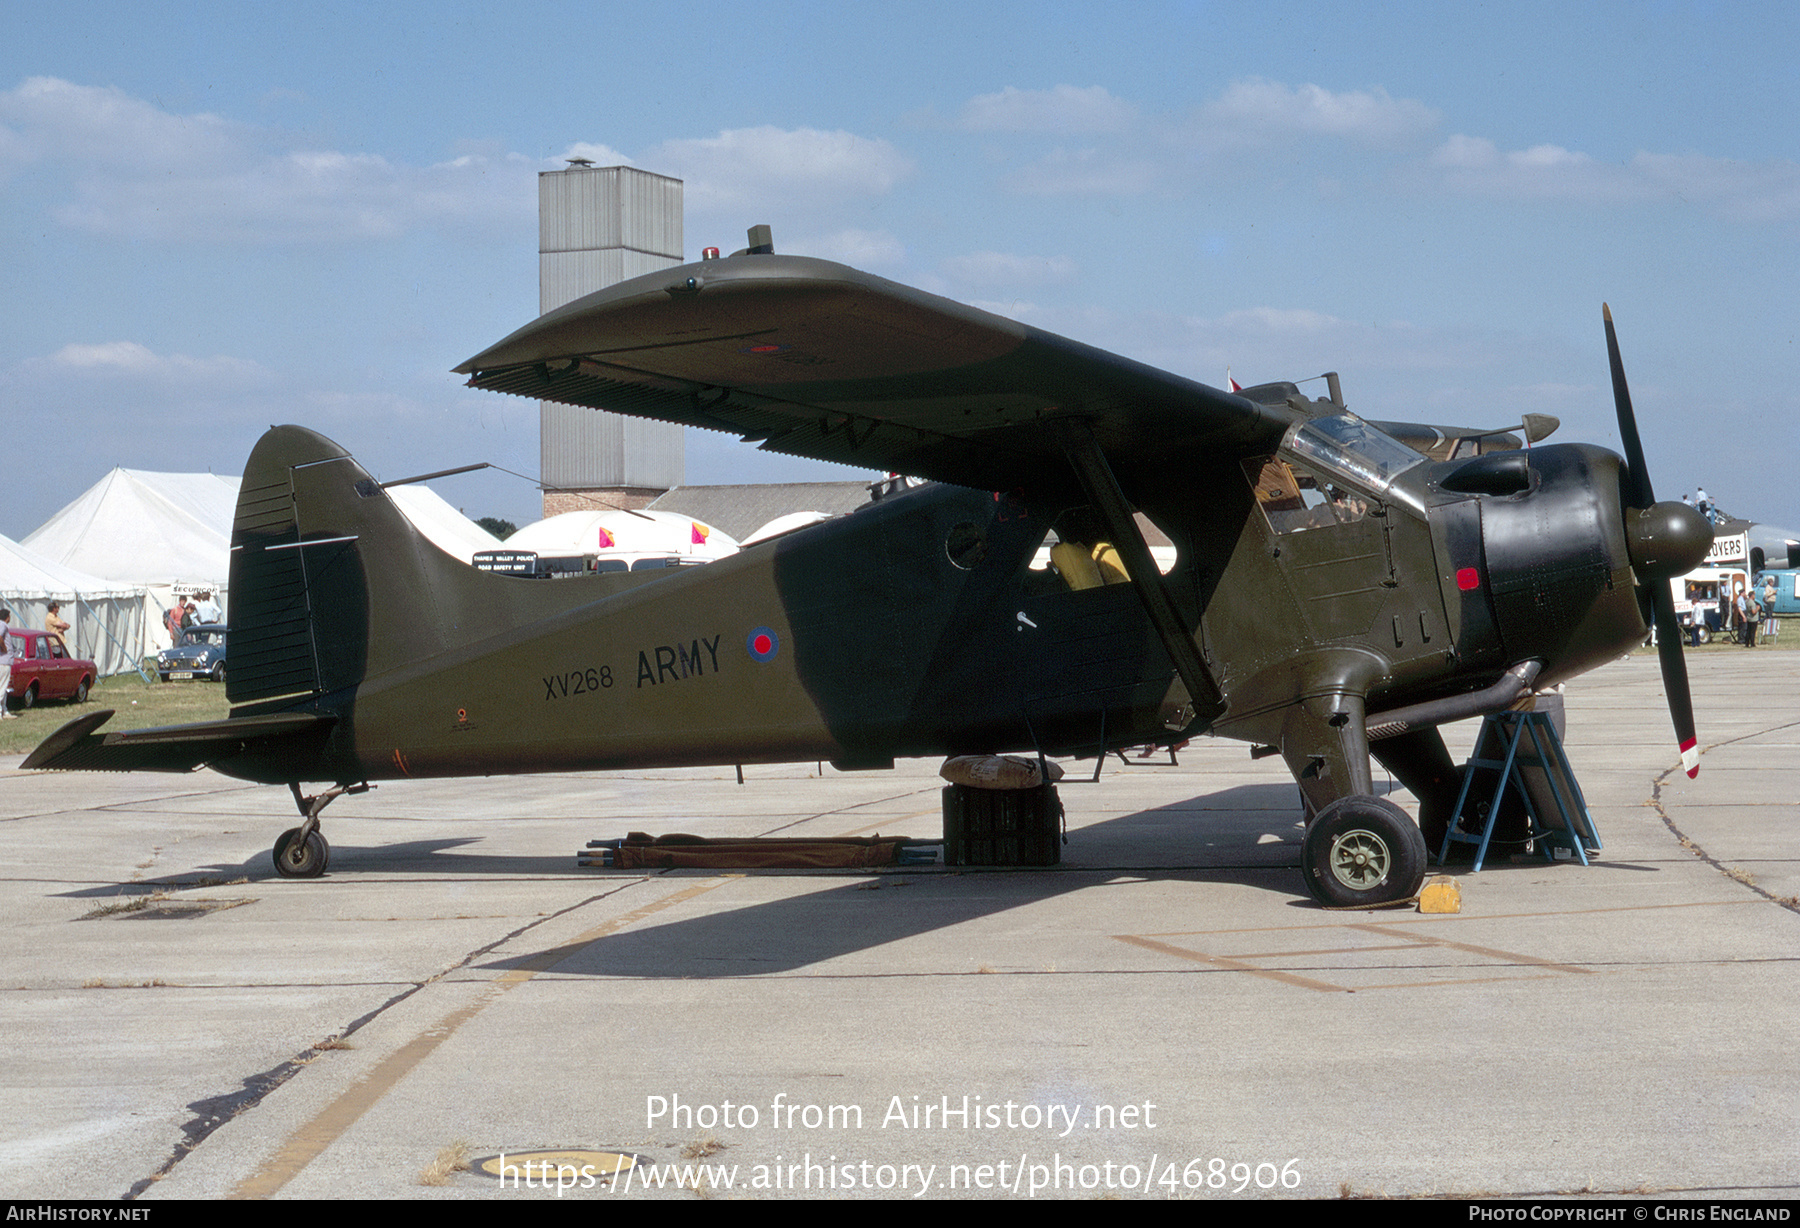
point(200, 654)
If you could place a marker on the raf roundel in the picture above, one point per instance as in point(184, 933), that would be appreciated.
point(762, 644)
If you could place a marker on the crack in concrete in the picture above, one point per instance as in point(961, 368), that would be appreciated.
point(214, 1111)
point(1791, 903)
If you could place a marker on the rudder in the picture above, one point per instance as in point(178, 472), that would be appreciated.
point(316, 543)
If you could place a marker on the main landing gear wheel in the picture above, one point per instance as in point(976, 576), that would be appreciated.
point(1362, 851)
point(301, 859)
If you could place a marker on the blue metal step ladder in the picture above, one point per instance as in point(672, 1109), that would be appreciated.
point(1530, 741)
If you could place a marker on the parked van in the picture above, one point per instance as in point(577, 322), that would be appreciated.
point(1787, 591)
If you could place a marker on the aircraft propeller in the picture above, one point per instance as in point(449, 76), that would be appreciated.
point(1665, 540)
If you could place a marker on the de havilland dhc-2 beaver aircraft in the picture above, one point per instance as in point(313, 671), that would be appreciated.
point(1341, 586)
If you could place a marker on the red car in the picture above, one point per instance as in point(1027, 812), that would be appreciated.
point(43, 669)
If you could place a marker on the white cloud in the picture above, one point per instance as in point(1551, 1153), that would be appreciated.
point(1477, 165)
point(1740, 191)
point(1754, 192)
point(127, 169)
point(1004, 269)
point(866, 249)
point(599, 155)
point(1258, 110)
point(106, 128)
point(1466, 153)
point(1275, 321)
point(1087, 172)
point(139, 362)
point(1391, 369)
point(1064, 109)
point(772, 167)
point(1168, 150)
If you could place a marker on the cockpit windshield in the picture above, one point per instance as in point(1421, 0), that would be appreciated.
point(1346, 447)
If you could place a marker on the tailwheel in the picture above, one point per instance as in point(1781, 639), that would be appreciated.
point(301, 858)
point(303, 851)
point(1362, 851)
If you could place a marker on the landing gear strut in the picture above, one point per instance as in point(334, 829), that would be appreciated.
point(303, 851)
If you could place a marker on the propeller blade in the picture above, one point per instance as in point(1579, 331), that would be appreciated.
point(1637, 476)
point(1674, 676)
point(1635, 492)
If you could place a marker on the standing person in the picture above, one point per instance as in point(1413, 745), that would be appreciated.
point(207, 610)
point(54, 624)
point(1749, 614)
point(1769, 626)
point(172, 622)
point(6, 662)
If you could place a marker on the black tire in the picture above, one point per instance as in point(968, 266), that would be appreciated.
point(218, 674)
point(307, 862)
point(29, 698)
point(1362, 851)
point(81, 692)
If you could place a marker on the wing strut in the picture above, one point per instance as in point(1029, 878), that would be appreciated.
point(1203, 701)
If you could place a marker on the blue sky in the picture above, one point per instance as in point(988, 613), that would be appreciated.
point(221, 216)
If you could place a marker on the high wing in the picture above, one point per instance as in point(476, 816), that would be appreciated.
point(812, 358)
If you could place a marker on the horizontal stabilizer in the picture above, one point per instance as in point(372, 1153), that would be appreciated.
point(174, 748)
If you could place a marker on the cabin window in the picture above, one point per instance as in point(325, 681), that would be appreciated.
point(966, 544)
point(1080, 554)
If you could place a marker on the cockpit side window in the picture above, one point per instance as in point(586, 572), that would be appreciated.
point(1293, 499)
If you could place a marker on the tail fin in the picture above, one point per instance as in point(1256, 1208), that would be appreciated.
point(316, 548)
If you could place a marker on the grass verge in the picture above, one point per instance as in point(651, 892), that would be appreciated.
point(135, 706)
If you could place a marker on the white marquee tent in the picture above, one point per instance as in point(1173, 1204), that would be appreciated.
point(106, 619)
point(154, 528)
point(448, 529)
point(169, 534)
point(614, 533)
point(161, 536)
